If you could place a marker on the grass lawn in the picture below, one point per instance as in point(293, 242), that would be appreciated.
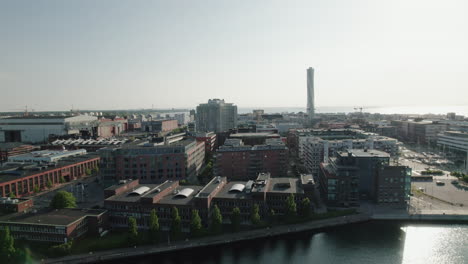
point(110, 241)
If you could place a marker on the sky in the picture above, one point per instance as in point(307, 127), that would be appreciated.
point(111, 54)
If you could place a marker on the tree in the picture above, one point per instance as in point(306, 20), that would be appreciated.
point(176, 225)
point(61, 250)
point(305, 208)
point(12, 195)
point(63, 199)
point(255, 216)
point(132, 230)
point(154, 226)
point(96, 170)
point(88, 171)
point(216, 220)
point(195, 224)
point(7, 244)
point(36, 188)
point(291, 206)
point(235, 219)
point(49, 184)
point(62, 179)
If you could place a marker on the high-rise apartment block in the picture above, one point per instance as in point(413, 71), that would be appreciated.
point(216, 116)
point(310, 94)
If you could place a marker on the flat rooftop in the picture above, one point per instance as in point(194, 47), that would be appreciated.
point(284, 185)
point(362, 153)
point(211, 186)
point(13, 171)
point(253, 135)
point(61, 217)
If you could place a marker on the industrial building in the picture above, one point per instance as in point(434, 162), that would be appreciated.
point(39, 129)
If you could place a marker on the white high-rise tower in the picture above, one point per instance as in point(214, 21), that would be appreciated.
point(310, 93)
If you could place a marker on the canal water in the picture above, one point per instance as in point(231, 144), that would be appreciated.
point(371, 242)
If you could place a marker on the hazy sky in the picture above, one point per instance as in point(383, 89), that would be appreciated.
point(132, 54)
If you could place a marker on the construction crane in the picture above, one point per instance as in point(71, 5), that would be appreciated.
point(25, 110)
point(359, 108)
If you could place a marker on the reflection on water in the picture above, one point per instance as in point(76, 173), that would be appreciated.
point(436, 244)
point(375, 242)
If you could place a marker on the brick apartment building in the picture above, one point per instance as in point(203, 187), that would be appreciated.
point(174, 159)
point(237, 161)
point(132, 198)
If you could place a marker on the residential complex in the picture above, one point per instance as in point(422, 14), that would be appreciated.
point(137, 199)
point(419, 132)
point(237, 161)
point(355, 175)
point(216, 116)
point(175, 158)
point(312, 147)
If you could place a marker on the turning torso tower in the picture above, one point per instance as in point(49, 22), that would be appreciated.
point(310, 94)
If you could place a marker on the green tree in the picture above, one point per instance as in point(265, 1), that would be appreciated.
point(154, 226)
point(61, 250)
point(176, 225)
point(63, 199)
point(291, 207)
point(49, 184)
point(62, 179)
point(305, 210)
point(12, 195)
point(255, 216)
point(216, 220)
point(7, 245)
point(36, 188)
point(132, 230)
point(195, 224)
point(88, 171)
point(235, 219)
point(96, 170)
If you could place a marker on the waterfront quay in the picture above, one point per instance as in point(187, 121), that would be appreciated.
point(109, 255)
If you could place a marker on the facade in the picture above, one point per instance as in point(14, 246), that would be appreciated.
point(216, 116)
point(453, 140)
point(357, 175)
point(21, 179)
point(157, 126)
point(139, 199)
point(174, 159)
point(420, 132)
point(40, 129)
point(310, 94)
point(236, 161)
point(14, 205)
point(56, 226)
point(209, 139)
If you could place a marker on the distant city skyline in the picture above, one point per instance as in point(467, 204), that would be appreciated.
point(127, 55)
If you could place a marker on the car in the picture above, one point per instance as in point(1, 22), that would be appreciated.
point(454, 182)
point(440, 183)
point(421, 189)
